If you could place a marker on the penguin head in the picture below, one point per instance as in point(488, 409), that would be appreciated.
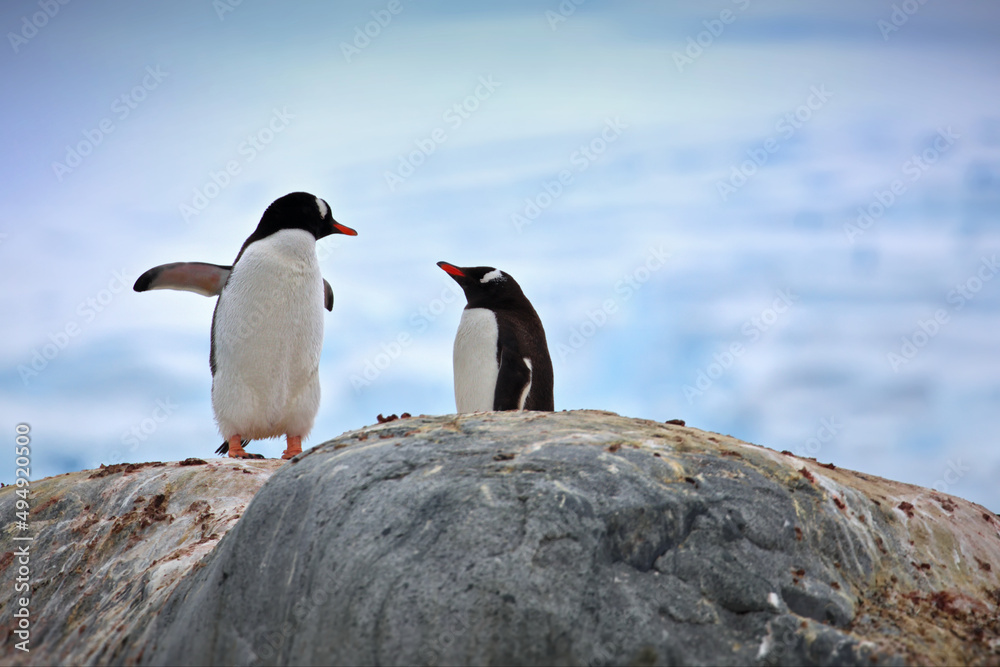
point(300, 210)
point(484, 286)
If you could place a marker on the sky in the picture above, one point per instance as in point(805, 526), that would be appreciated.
point(775, 220)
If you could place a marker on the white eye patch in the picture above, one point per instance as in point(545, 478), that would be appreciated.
point(492, 275)
point(323, 208)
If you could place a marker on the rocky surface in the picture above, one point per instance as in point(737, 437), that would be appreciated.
point(575, 538)
point(109, 546)
point(584, 538)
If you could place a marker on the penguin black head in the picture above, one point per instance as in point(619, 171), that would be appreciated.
point(485, 286)
point(300, 210)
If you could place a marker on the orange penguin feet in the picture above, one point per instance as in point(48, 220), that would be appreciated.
point(294, 447)
point(236, 450)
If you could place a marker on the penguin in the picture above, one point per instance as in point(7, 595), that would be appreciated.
point(267, 328)
point(501, 360)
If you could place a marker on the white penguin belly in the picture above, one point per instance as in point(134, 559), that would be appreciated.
point(475, 360)
point(268, 340)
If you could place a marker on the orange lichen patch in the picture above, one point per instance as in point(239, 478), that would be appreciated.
point(126, 468)
point(137, 520)
point(44, 506)
point(907, 508)
point(84, 525)
point(197, 506)
point(193, 462)
point(928, 623)
point(945, 503)
point(155, 510)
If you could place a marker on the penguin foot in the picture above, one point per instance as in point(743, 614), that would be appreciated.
point(294, 447)
point(236, 450)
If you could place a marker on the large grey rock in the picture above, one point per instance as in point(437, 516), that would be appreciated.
point(584, 538)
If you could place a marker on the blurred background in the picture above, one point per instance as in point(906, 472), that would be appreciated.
point(775, 220)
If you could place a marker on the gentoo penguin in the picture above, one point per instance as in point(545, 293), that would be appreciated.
point(500, 357)
point(267, 329)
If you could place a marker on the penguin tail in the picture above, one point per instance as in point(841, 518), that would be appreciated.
point(224, 449)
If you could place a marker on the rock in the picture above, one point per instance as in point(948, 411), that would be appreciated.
point(109, 547)
point(504, 538)
point(583, 538)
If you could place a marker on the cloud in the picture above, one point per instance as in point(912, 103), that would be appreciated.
point(783, 228)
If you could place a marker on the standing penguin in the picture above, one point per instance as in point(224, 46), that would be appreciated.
point(501, 359)
point(267, 329)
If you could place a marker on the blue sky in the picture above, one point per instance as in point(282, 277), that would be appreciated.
point(775, 220)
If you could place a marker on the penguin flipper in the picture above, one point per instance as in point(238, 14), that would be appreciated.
point(198, 277)
point(513, 380)
point(327, 295)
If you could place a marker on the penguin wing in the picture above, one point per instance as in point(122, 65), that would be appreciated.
point(205, 279)
point(327, 295)
point(514, 375)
